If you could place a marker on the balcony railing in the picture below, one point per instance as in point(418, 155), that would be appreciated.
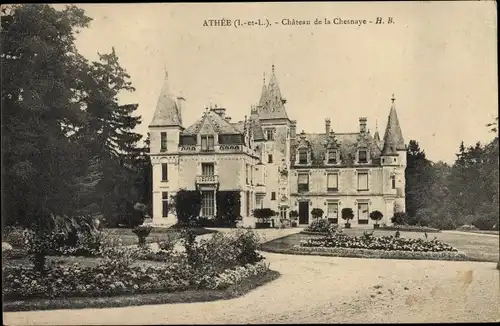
point(217, 148)
point(207, 179)
point(260, 189)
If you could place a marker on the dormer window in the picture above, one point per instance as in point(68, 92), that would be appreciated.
point(332, 157)
point(270, 134)
point(207, 143)
point(302, 156)
point(362, 156)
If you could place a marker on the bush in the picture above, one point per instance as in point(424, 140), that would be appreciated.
point(376, 216)
point(317, 213)
point(467, 227)
point(142, 232)
point(14, 236)
point(187, 205)
point(379, 243)
point(263, 214)
point(228, 207)
point(400, 218)
point(486, 222)
point(320, 226)
point(410, 228)
point(294, 215)
point(347, 214)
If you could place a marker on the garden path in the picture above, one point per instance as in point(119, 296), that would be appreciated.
point(315, 289)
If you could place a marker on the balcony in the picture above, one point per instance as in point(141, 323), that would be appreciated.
point(260, 189)
point(207, 180)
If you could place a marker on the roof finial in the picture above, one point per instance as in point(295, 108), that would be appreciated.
point(165, 71)
point(272, 67)
point(264, 78)
point(376, 125)
point(393, 98)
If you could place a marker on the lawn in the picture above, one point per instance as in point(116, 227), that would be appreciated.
point(477, 247)
point(129, 238)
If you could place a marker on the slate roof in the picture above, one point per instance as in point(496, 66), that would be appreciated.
point(271, 104)
point(348, 143)
point(393, 138)
point(214, 122)
point(167, 111)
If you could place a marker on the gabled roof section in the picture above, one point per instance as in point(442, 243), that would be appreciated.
point(347, 146)
point(271, 104)
point(167, 113)
point(211, 123)
point(393, 138)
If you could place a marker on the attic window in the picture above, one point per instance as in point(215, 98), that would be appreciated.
point(332, 157)
point(362, 157)
point(302, 156)
point(207, 143)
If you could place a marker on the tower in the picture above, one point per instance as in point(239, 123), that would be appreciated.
point(164, 131)
point(393, 161)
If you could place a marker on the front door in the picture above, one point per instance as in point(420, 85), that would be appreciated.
point(303, 212)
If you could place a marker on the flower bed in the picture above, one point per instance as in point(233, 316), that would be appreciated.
point(379, 243)
point(409, 228)
point(21, 282)
point(320, 226)
point(380, 254)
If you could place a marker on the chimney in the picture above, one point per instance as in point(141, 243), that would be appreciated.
point(220, 111)
point(362, 125)
point(179, 104)
point(327, 126)
point(293, 129)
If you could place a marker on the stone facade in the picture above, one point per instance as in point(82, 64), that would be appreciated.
point(272, 166)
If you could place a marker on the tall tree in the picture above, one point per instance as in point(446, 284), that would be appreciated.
point(418, 176)
point(40, 69)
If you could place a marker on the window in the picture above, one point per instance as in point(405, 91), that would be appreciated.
point(163, 145)
point(269, 134)
point(230, 139)
point(363, 213)
point(283, 213)
point(332, 210)
point(270, 158)
point(362, 157)
point(332, 157)
point(273, 195)
point(207, 204)
point(302, 156)
point(207, 143)
point(251, 175)
point(362, 180)
point(164, 202)
point(332, 182)
point(303, 182)
point(246, 173)
point(259, 203)
point(248, 202)
point(207, 169)
point(164, 172)
point(188, 139)
point(393, 181)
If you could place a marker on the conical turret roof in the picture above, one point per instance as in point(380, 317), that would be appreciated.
point(272, 105)
point(167, 111)
point(393, 138)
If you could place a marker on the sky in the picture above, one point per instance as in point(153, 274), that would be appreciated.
point(439, 59)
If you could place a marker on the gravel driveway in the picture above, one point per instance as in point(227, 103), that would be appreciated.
point(324, 290)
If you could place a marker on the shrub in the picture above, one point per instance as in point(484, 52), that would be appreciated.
point(228, 207)
point(467, 227)
point(347, 214)
point(294, 214)
point(263, 214)
point(14, 236)
point(376, 216)
point(142, 232)
point(379, 243)
point(320, 226)
point(400, 218)
point(486, 222)
point(317, 213)
point(187, 204)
